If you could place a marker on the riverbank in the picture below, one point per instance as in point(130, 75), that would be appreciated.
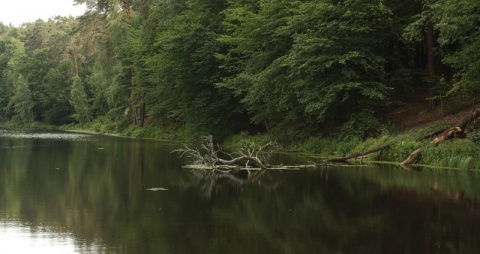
point(456, 153)
point(409, 126)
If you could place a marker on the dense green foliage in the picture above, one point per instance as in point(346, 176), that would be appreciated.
point(295, 69)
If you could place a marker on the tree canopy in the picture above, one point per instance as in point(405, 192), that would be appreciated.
point(293, 68)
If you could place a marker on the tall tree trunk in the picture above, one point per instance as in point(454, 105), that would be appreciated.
point(430, 65)
point(142, 114)
point(134, 114)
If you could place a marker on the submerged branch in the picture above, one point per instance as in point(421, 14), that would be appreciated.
point(233, 161)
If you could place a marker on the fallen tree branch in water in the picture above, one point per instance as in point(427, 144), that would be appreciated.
point(361, 154)
point(212, 155)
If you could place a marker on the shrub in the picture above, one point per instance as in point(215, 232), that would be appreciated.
point(243, 139)
point(328, 146)
point(361, 126)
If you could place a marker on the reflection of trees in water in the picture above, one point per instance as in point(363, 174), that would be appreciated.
point(213, 181)
point(310, 211)
point(343, 214)
point(73, 187)
point(431, 223)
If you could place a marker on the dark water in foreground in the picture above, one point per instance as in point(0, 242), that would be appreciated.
point(77, 193)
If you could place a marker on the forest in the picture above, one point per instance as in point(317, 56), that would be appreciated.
point(291, 68)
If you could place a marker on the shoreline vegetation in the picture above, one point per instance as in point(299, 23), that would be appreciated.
point(460, 151)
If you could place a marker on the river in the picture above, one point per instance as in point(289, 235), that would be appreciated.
point(81, 193)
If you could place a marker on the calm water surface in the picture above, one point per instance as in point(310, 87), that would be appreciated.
point(79, 193)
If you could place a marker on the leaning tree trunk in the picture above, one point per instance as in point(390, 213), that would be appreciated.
point(361, 154)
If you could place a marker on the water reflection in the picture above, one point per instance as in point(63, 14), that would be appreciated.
point(24, 134)
point(16, 237)
point(209, 182)
point(90, 195)
point(20, 239)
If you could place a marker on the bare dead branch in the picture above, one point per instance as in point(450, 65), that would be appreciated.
point(212, 155)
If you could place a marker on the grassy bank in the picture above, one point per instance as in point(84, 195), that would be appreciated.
point(460, 153)
point(457, 153)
